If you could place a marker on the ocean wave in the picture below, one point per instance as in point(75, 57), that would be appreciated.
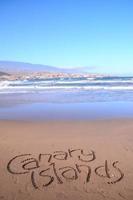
point(33, 85)
point(71, 81)
point(22, 89)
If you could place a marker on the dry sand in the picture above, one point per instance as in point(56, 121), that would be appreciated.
point(66, 160)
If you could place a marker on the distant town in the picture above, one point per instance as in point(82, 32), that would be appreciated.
point(21, 71)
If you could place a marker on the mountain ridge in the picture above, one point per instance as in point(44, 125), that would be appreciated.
point(14, 66)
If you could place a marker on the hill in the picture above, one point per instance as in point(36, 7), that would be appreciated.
point(11, 66)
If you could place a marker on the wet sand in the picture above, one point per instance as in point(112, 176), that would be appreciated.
point(90, 160)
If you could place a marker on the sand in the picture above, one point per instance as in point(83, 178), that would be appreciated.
point(90, 160)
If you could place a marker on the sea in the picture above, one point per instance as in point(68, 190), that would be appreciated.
point(67, 98)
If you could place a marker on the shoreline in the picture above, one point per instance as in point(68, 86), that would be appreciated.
point(67, 111)
point(67, 121)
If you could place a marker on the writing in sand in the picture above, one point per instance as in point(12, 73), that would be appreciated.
point(60, 166)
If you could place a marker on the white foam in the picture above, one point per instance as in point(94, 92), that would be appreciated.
point(24, 89)
point(20, 86)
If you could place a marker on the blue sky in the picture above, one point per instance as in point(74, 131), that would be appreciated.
point(69, 33)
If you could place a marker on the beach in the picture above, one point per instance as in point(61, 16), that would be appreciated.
point(52, 160)
point(66, 100)
point(66, 138)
